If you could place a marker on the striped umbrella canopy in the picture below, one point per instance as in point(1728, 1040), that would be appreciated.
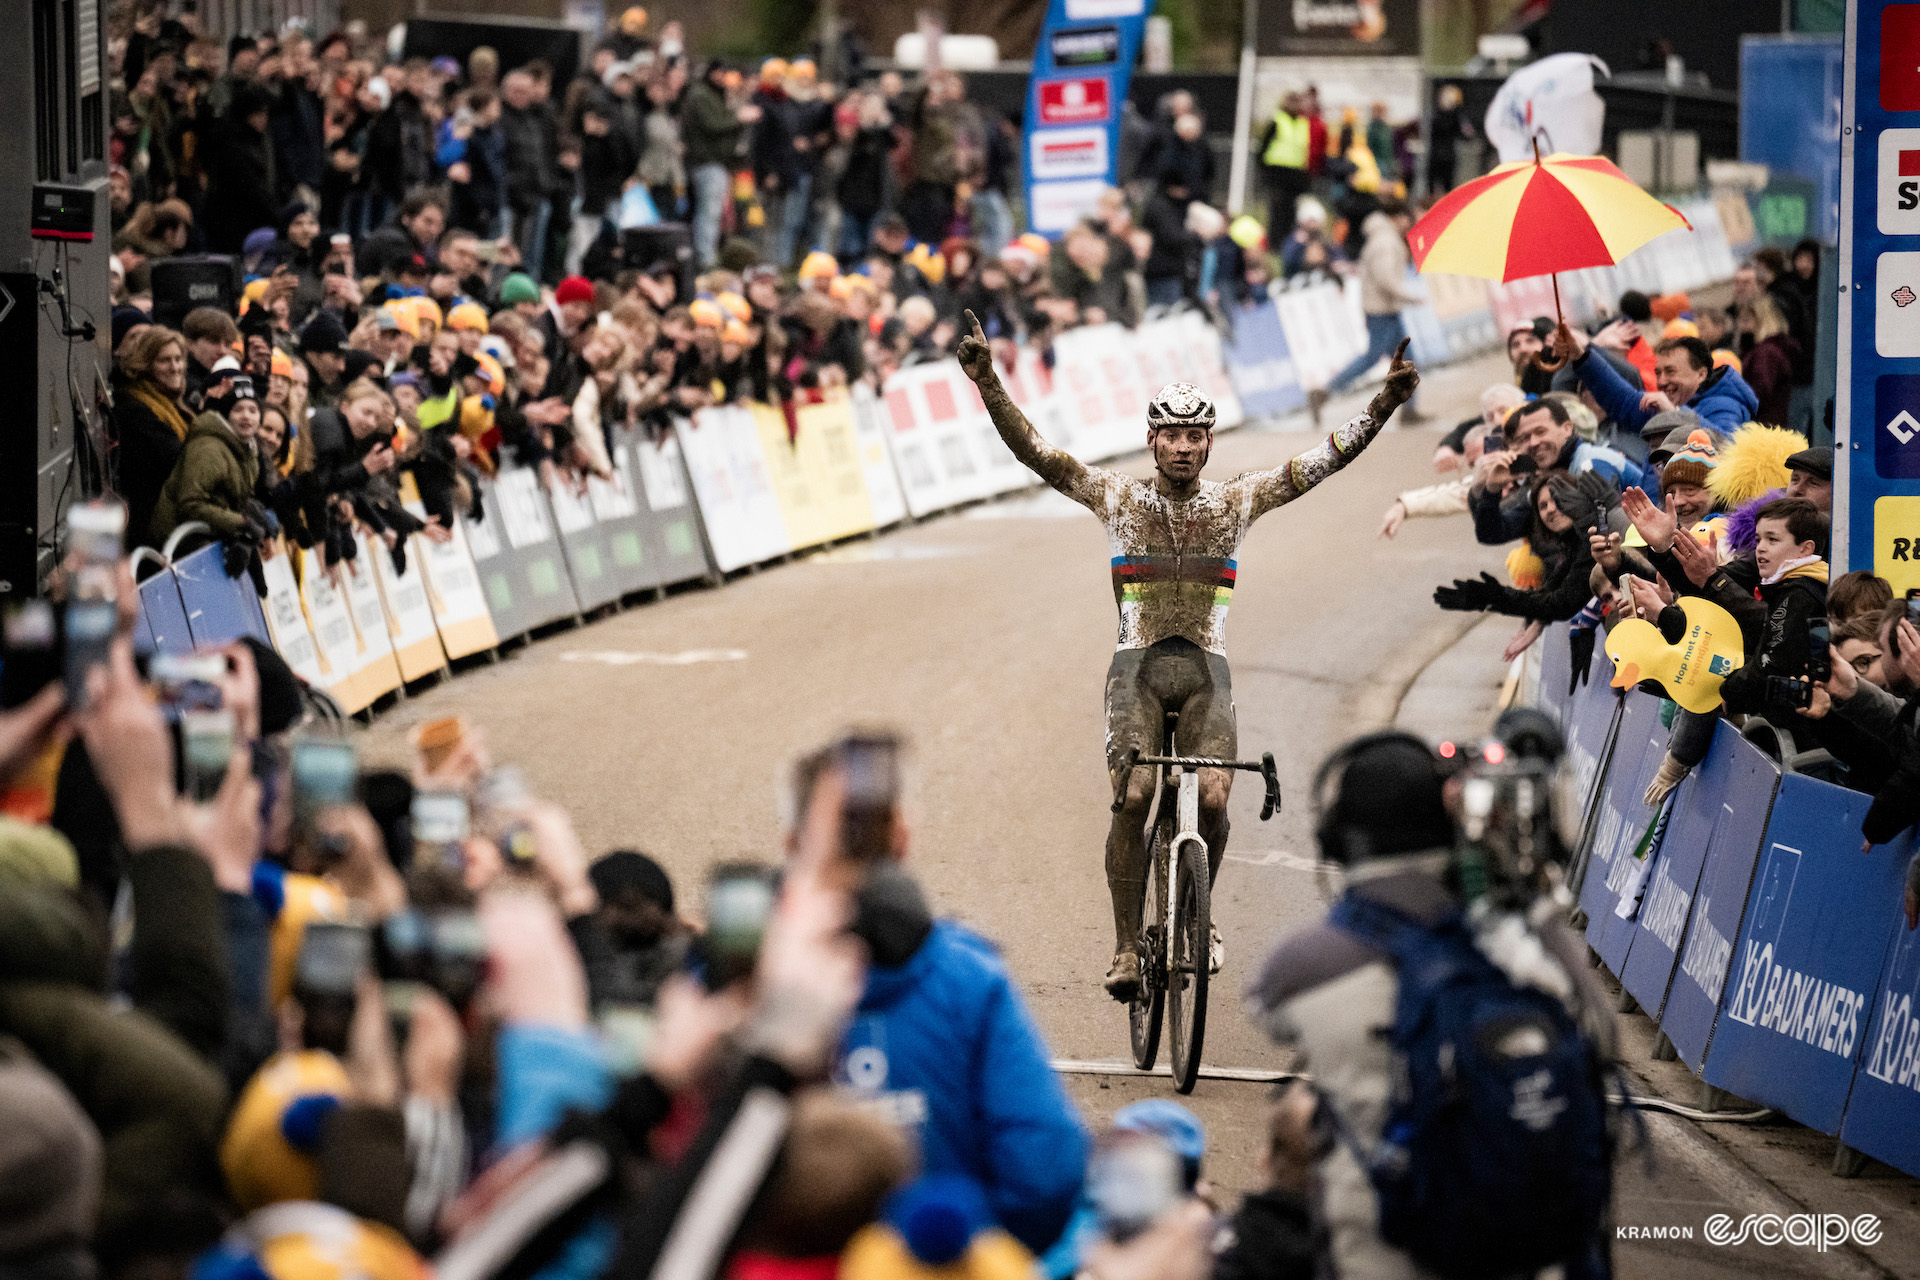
point(1537, 217)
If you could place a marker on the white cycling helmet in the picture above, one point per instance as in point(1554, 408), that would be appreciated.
point(1180, 404)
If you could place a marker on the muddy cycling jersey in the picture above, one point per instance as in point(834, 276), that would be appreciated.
point(1173, 558)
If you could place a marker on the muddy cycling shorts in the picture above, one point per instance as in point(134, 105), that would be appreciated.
point(1173, 675)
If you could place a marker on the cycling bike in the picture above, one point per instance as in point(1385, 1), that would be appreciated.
point(1176, 928)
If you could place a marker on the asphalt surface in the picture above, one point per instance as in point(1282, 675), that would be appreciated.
point(985, 636)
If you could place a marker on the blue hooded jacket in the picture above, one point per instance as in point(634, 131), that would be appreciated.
point(945, 1046)
point(1724, 401)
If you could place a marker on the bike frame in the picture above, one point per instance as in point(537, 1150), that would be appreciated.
point(1187, 822)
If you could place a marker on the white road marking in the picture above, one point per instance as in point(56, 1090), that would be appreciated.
point(1281, 858)
point(635, 657)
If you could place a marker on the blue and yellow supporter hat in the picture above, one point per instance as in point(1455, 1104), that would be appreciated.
point(309, 1240)
point(268, 1151)
point(938, 1228)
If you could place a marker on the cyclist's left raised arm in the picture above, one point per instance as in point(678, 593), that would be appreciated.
point(1294, 477)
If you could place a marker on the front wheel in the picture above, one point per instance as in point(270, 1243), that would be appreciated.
point(1143, 1014)
point(1190, 955)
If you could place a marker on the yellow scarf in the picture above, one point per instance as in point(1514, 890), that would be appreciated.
point(148, 393)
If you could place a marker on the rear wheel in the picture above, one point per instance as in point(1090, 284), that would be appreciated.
point(1188, 954)
point(1144, 1013)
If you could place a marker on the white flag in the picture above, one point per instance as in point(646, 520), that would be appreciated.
point(1553, 99)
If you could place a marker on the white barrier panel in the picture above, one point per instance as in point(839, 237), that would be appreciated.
point(944, 445)
point(377, 673)
point(1204, 363)
point(333, 635)
point(732, 488)
point(1096, 369)
point(1323, 332)
point(416, 641)
point(287, 621)
point(454, 594)
point(1037, 392)
point(876, 460)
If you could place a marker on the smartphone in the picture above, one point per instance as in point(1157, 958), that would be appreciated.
point(34, 656)
point(206, 747)
point(95, 530)
point(187, 681)
point(445, 950)
point(872, 768)
point(336, 269)
point(332, 958)
point(87, 635)
point(740, 897)
point(440, 826)
point(1913, 605)
point(1786, 691)
point(501, 800)
point(1819, 651)
point(487, 251)
point(324, 773)
point(1131, 1181)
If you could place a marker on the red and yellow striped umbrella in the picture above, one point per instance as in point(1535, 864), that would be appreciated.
point(1537, 217)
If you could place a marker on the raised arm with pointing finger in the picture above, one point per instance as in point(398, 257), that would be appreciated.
point(1053, 464)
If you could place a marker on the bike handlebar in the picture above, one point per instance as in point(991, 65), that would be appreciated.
point(1264, 767)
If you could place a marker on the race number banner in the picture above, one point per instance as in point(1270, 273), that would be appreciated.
point(1876, 493)
point(1080, 72)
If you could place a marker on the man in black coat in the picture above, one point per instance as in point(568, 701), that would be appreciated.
point(241, 177)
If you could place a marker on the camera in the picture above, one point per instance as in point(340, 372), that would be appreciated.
point(1819, 651)
point(1515, 809)
point(871, 764)
point(1790, 692)
point(445, 950)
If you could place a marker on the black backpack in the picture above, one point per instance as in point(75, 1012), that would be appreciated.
point(1496, 1157)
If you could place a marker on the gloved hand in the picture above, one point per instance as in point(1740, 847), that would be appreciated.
point(1470, 596)
point(237, 554)
point(1581, 644)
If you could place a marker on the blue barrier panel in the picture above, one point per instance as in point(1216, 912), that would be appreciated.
point(1260, 363)
point(1622, 821)
point(160, 606)
point(1725, 802)
point(1700, 975)
point(1592, 714)
point(1555, 663)
point(1883, 1111)
point(218, 608)
point(1804, 972)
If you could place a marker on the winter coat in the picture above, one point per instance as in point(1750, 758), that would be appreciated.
point(1384, 261)
point(944, 1043)
point(1891, 722)
point(1724, 401)
point(1270, 1237)
point(477, 202)
point(1768, 369)
point(297, 124)
point(660, 151)
point(1330, 997)
point(158, 1103)
point(1790, 604)
point(863, 183)
point(241, 182)
point(148, 450)
point(1176, 251)
point(777, 151)
point(211, 483)
point(606, 162)
point(533, 148)
point(399, 148)
point(711, 130)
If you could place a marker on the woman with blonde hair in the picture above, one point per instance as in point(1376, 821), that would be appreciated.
point(149, 423)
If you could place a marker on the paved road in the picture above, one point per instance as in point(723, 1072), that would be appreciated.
point(985, 636)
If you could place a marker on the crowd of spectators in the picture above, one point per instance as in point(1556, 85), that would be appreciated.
point(448, 268)
point(1648, 469)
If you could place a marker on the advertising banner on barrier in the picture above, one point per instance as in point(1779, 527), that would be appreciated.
point(1623, 829)
point(454, 594)
point(166, 617)
point(378, 673)
point(944, 446)
point(1323, 334)
point(218, 608)
point(1806, 965)
point(1260, 364)
point(669, 525)
point(818, 477)
point(416, 641)
point(1556, 662)
point(536, 566)
point(583, 545)
point(616, 509)
point(1726, 801)
point(735, 494)
point(1592, 715)
point(1883, 1111)
point(1465, 314)
point(331, 623)
point(509, 604)
point(1205, 362)
point(287, 621)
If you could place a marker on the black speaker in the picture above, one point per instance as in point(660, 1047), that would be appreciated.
point(204, 280)
point(641, 247)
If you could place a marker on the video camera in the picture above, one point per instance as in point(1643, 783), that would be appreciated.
point(1516, 816)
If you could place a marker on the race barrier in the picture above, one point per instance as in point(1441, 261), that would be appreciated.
point(1746, 920)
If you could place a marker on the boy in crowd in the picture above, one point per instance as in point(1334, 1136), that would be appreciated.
point(1790, 552)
